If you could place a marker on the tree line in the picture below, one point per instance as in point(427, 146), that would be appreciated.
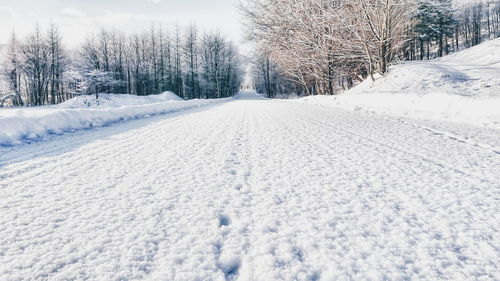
point(39, 70)
point(326, 46)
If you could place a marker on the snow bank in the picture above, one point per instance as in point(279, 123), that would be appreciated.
point(21, 124)
point(462, 87)
point(437, 106)
point(112, 100)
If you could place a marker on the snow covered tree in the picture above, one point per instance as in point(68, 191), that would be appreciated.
point(164, 61)
point(435, 21)
point(56, 65)
point(221, 70)
point(191, 54)
point(36, 68)
point(95, 59)
point(11, 71)
point(325, 45)
point(269, 80)
point(40, 71)
point(177, 66)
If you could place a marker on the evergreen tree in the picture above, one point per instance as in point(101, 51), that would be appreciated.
point(435, 22)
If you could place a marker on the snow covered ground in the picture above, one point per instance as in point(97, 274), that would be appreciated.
point(463, 87)
point(18, 125)
point(254, 189)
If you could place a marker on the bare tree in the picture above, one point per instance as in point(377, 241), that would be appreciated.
point(40, 71)
point(191, 62)
point(221, 68)
point(36, 68)
point(11, 71)
point(57, 65)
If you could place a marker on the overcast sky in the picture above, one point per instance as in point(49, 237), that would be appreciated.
point(77, 18)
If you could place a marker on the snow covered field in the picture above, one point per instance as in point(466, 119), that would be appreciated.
point(462, 87)
point(19, 125)
point(254, 189)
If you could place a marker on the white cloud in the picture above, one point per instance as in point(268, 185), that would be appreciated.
point(7, 17)
point(73, 12)
point(6, 10)
point(75, 29)
point(77, 20)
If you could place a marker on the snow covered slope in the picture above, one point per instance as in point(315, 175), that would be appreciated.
point(18, 125)
point(252, 189)
point(462, 87)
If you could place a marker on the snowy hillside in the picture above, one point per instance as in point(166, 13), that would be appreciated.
point(461, 87)
point(24, 124)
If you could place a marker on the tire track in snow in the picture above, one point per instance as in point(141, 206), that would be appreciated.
point(492, 178)
point(449, 135)
point(398, 201)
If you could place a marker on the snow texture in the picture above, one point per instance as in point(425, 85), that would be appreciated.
point(462, 87)
point(18, 125)
point(254, 189)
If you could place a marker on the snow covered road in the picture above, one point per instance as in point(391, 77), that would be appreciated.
point(254, 190)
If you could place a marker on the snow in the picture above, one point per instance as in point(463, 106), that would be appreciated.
point(18, 125)
point(248, 95)
point(461, 87)
point(254, 189)
point(110, 100)
point(395, 180)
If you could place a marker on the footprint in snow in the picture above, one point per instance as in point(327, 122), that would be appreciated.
point(224, 220)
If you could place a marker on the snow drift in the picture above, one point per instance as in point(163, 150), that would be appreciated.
point(461, 87)
point(22, 124)
point(111, 100)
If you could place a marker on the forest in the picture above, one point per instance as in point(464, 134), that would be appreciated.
point(39, 70)
point(318, 47)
